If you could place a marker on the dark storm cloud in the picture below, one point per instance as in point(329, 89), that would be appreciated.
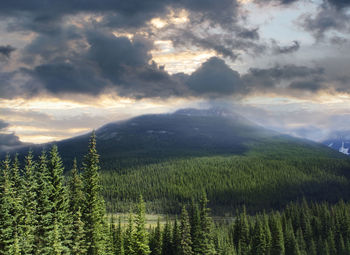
point(5, 51)
point(261, 79)
point(308, 85)
point(327, 18)
point(339, 3)
point(286, 49)
point(7, 141)
point(3, 125)
point(215, 78)
point(118, 13)
point(109, 62)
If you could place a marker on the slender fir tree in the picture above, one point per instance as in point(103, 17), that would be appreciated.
point(59, 200)
point(7, 206)
point(27, 240)
point(185, 247)
point(141, 243)
point(93, 206)
point(44, 215)
point(76, 198)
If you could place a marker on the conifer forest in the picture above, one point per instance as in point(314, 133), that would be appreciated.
point(46, 210)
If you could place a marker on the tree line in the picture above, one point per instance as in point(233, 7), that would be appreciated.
point(42, 212)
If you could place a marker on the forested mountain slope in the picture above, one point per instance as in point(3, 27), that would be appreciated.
point(171, 158)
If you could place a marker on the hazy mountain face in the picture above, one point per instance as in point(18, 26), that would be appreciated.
point(339, 141)
point(187, 132)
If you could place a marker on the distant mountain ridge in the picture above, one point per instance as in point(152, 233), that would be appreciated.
point(339, 141)
point(171, 158)
point(184, 133)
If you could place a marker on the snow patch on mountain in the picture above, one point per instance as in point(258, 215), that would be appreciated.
point(344, 150)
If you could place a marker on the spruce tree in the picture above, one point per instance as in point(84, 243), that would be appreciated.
point(7, 209)
point(195, 228)
point(206, 227)
point(59, 200)
point(119, 239)
point(259, 240)
point(157, 240)
point(44, 215)
point(27, 239)
point(141, 243)
point(277, 245)
point(93, 206)
point(129, 237)
point(76, 197)
point(176, 237)
point(291, 245)
point(167, 239)
point(185, 247)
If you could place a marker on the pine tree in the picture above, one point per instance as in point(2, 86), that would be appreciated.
point(59, 200)
point(243, 232)
point(129, 237)
point(277, 245)
point(157, 240)
point(167, 248)
point(259, 240)
point(119, 240)
point(195, 228)
point(291, 245)
point(176, 237)
point(44, 217)
point(27, 240)
point(76, 197)
point(141, 243)
point(7, 206)
point(93, 208)
point(185, 234)
point(206, 225)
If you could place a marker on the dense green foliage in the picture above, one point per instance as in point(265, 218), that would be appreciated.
point(42, 213)
point(266, 177)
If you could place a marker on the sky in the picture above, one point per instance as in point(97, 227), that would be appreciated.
point(67, 66)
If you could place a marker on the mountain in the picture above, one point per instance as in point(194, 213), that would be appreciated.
point(339, 141)
point(171, 158)
point(184, 133)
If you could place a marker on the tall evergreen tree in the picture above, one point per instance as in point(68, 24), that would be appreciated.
point(44, 215)
point(157, 240)
point(141, 243)
point(27, 240)
point(176, 237)
point(185, 247)
point(129, 237)
point(259, 239)
point(7, 211)
point(291, 245)
point(76, 198)
point(59, 200)
point(93, 207)
point(206, 228)
point(167, 239)
point(119, 239)
point(277, 245)
point(195, 222)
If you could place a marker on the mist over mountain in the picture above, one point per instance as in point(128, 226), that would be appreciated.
point(339, 141)
point(184, 133)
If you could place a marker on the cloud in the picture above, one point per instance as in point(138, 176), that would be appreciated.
point(5, 51)
point(108, 63)
point(3, 125)
point(285, 49)
point(308, 85)
point(328, 18)
point(268, 79)
point(214, 78)
point(7, 141)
